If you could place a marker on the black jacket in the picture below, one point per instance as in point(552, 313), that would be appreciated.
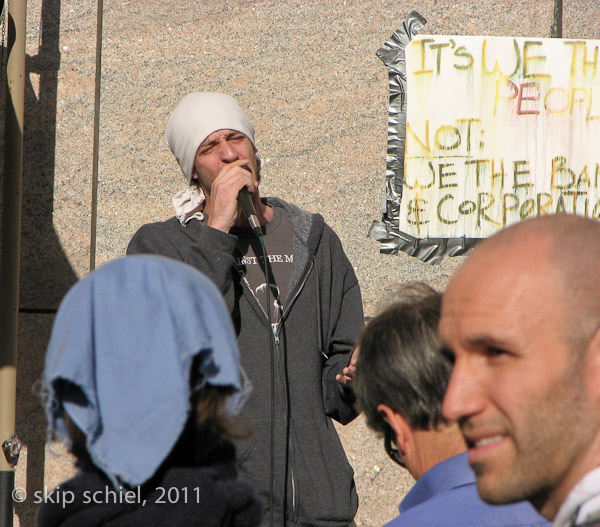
point(313, 481)
point(203, 496)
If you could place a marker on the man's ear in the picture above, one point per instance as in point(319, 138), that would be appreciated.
point(399, 425)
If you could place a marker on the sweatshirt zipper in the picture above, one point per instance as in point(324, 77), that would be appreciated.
point(275, 326)
point(275, 329)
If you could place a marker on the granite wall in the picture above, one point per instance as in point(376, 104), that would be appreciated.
point(307, 74)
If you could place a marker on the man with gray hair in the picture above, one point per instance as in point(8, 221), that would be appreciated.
point(295, 303)
point(399, 382)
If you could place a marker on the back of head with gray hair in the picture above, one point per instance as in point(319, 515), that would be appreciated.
point(400, 363)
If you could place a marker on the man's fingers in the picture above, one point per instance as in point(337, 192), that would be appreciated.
point(233, 177)
point(342, 379)
point(345, 378)
point(240, 166)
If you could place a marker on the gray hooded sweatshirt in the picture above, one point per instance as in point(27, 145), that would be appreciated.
point(322, 317)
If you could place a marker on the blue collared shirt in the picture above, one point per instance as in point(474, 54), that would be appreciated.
point(446, 495)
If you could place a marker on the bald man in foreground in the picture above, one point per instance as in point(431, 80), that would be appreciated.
point(521, 320)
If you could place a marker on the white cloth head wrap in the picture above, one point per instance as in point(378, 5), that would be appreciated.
point(196, 117)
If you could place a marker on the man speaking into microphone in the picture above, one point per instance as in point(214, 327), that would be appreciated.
point(295, 303)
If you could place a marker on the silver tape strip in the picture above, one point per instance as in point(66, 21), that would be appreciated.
point(386, 231)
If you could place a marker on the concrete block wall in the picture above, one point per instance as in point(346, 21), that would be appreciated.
point(307, 74)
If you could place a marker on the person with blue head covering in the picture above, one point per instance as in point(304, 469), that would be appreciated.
point(143, 380)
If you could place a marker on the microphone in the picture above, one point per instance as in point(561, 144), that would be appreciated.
point(246, 202)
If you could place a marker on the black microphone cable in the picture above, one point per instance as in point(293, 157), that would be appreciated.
point(248, 206)
point(272, 353)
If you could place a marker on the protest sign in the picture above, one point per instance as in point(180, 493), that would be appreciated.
point(499, 129)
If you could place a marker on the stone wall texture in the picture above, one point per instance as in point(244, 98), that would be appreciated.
point(307, 74)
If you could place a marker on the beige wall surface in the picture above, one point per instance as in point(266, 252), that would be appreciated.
point(307, 74)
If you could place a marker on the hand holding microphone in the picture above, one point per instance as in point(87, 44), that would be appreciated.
point(223, 203)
